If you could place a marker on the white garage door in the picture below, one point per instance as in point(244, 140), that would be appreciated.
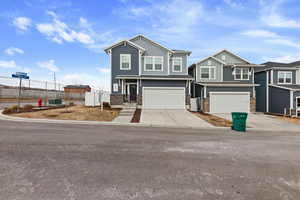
point(221, 102)
point(164, 98)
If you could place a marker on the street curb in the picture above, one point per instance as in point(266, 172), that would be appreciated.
point(55, 121)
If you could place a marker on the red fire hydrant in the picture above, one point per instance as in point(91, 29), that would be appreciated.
point(40, 102)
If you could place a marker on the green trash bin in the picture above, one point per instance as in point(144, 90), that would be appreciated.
point(239, 121)
point(55, 101)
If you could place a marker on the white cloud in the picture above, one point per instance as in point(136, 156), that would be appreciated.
point(13, 50)
point(22, 23)
point(272, 38)
point(260, 33)
point(285, 58)
point(103, 70)
point(49, 64)
point(60, 32)
point(271, 15)
point(233, 4)
point(13, 65)
point(84, 23)
point(8, 64)
point(173, 19)
point(275, 20)
point(285, 42)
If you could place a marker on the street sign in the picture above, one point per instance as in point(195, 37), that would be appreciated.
point(22, 75)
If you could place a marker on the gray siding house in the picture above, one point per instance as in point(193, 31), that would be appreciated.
point(224, 83)
point(279, 90)
point(148, 74)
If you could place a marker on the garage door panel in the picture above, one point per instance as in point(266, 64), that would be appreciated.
point(229, 102)
point(164, 98)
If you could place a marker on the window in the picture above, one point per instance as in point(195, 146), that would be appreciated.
point(148, 63)
point(153, 63)
point(285, 77)
point(209, 62)
point(241, 74)
point(177, 64)
point(125, 61)
point(158, 62)
point(116, 87)
point(208, 72)
point(223, 57)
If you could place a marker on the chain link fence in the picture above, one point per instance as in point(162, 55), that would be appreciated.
point(33, 89)
point(34, 84)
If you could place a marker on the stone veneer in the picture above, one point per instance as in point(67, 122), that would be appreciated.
point(188, 100)
point(252, 105)
point(139, 99)
point(116, 99)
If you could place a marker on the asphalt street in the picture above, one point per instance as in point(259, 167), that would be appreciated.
point(62, 161)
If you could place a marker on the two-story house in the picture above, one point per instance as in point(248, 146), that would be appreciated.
point(224, 83)
point(149, 74)
point(279, 90)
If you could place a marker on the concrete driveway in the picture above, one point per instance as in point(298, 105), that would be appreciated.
point(266, 122)
point(176, 118)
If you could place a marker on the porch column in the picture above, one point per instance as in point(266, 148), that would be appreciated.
point(189, 82)
point(122, 86)
point(137, 86)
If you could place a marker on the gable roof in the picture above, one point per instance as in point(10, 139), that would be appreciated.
point(278, 65)
point(216, 59)
point(225, 50)
point(156, 43)
point(122, 42)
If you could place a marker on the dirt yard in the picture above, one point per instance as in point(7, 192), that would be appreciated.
point(214, 120)
point(290, 119)
point(74, 113)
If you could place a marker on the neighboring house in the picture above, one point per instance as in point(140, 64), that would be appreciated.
point(224, 83)
point(149, 74)
point(279, 90)
point(79, 89)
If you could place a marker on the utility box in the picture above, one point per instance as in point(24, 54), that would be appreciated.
point(92, 99)
point(194, 104)
point(55, 101)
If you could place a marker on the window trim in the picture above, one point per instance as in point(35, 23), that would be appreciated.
point(153, 64)
point(242, 73)
point(121, 66)
point(285, 72)
point(173, 69)
point(209, 78)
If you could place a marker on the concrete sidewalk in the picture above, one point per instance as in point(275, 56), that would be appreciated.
point(125, 115)
point(141, 124)
point(178, 118)
point(261, 121)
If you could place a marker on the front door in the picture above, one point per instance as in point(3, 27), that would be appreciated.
point(132, 92)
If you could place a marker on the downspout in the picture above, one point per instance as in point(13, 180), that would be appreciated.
point(253, 82)
point(291, 101)
point(267, 92)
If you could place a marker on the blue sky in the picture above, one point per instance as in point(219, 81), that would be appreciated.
point(68, 37)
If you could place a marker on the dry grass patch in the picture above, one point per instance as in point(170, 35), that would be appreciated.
point(289, 119)
point(74, 113)
point(214, 120)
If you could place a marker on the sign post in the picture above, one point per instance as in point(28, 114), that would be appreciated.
point(20, 75)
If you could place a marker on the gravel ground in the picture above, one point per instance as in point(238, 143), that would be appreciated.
point(48, 161)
